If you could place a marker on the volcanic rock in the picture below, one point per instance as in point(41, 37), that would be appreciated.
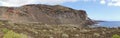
point(47, 14)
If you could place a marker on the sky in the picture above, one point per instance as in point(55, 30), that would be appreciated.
point(108, 10)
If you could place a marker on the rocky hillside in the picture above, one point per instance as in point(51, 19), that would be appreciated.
point(46, 21)
point(46, 14)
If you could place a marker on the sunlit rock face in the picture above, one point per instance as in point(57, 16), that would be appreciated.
point(47, 14)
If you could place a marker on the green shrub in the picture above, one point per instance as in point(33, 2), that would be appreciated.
point(5, 30)
point(115, 36)
point(11, 34)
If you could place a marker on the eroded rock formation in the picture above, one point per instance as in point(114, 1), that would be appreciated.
point(45, 14)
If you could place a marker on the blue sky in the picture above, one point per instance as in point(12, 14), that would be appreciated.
point(96, 9)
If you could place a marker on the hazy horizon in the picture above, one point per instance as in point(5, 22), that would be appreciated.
point(96, 9)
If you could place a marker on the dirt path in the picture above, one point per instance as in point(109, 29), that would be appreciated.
point(1, 34)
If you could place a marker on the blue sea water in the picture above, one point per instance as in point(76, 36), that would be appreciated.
point(109, 24)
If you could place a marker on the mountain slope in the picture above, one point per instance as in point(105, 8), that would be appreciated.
point(46, 14)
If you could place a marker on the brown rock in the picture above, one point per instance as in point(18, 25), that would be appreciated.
point(46, 14)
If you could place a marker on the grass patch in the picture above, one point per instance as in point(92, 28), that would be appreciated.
point(116, 36)
point(5, 30)
point(12, 34)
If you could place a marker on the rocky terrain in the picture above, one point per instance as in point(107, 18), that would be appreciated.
point(46, 14)
point(47, 21)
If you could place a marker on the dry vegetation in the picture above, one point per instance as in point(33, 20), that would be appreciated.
point(38, 30)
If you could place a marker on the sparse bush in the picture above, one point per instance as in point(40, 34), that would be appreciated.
point(115, 36)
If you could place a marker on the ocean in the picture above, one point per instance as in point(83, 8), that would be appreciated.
point(109, 24)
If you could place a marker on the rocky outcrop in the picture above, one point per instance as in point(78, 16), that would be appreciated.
point(47, 14)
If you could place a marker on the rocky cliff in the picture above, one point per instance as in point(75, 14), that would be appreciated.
point(46, 14)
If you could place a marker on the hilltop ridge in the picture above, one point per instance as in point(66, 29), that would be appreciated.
point(47, 14)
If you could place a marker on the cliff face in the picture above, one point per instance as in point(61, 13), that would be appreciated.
point(45, 14)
